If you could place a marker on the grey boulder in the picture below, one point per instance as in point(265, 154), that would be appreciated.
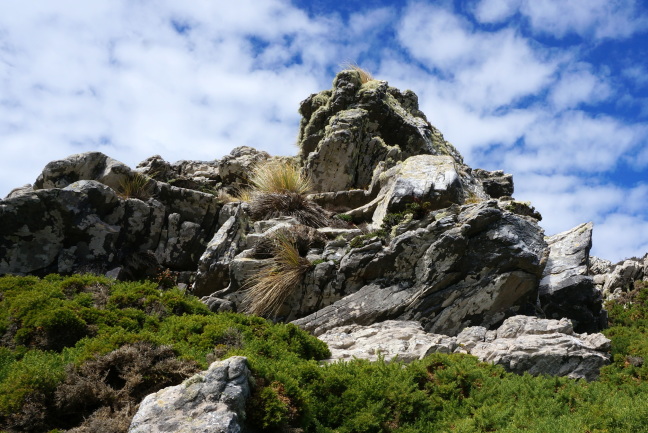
point(210, 401)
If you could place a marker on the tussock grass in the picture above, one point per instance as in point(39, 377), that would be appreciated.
point(365, 76)
point(274, 283)
point(279, 178)
point(278, 189)
point(244, 194)
point(136, 186)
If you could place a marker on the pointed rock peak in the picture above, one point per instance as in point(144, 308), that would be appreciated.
point(347, 130)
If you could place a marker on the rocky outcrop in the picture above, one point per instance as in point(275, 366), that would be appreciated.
point(390, 340)
point(230, 173)
point(539, 346)
point(347, 130)
point(521, 344)
point(620, 278)
point(210, 401)
point(567, 289)
point(459, 267)
point(69, 225)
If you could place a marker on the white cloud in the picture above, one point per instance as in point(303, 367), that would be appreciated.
point(587, 18)
point(579, 85)
point(620, 236)
point(575, 141)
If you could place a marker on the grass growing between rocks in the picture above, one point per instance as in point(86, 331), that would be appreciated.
point(279, 189)
point(86, 366)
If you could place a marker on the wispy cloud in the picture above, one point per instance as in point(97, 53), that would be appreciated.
point(559, 18)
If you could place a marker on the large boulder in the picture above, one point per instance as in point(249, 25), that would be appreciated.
point(211, 401)
point(567, 289)
point(83, 166)
point(539, 347)
point(459, 267)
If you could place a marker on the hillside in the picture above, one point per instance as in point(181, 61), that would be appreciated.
point(375, 245)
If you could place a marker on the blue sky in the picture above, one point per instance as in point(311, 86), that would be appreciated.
point(553, 91)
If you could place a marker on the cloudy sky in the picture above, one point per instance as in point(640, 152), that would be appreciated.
point(553, 91)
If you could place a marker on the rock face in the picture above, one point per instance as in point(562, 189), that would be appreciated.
point(210, 401)
point(521, 344)
point(567, 289)
point(72, 225)
point(463, 266)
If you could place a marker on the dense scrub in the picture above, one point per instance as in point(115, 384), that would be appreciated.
point(79, 352)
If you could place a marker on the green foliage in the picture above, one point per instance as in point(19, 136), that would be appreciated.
point(134, 325)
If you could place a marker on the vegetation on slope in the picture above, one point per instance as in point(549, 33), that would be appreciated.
point(79, 352)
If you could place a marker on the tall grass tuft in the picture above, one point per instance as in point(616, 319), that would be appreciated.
point(279, 177)
point(136, 186)
point(365, 76)
point(279, 189)
point(274, 283)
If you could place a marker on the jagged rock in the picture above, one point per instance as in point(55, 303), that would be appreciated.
point(346, 131)
point(83, 166)
point(392, 339)
point(213, 266)
point(210, 401)
point(566, 289)
point(231, 172)
point(86, 226)
point(540, 346)
point(496, 183)
point(622, 276)
point(463, 266)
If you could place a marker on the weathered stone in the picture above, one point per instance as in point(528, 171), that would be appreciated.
point(83, 166)
point(496, 183)
point(420, 178)
point(541, 346)
point(213, 266)
point(86, 226)
point(391, 340)
point(473, 265)
point(345, 132)
point(521, 344)
point(566, 289)
point(210, 401)
point(624, 275)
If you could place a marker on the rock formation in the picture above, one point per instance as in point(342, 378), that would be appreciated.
point(521, 344)
point(419, 238)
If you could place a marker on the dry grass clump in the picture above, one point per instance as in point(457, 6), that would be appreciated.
point(279, 178)
point(278, 189)
point(365, 76)
point(274, 283)
point(137, 185)
point(244, 194)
